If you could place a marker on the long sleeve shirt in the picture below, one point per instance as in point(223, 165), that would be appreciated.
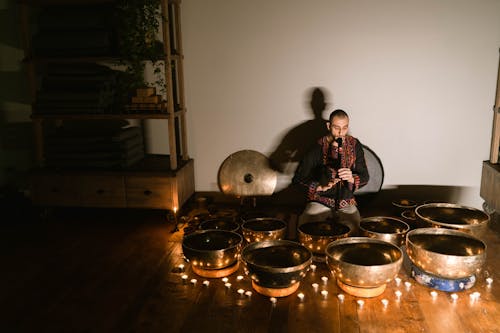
point(324, 160)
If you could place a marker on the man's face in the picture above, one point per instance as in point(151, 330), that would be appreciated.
point(338, 126)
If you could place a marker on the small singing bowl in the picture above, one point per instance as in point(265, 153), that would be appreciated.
point(452, 216)
point(363, 262)
point(276, 263)
point(388, 229)
point(212, 249)
point(446, 253)
point(263, 228)
point(317, 235)
point(219, 224)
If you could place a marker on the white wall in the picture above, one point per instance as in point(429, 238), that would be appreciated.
point(418, 79)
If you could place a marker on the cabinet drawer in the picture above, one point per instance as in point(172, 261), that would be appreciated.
point(150, 192)
point(55, 190)
point(102, 191)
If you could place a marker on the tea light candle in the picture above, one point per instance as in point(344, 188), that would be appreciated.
point(434, 294)
point(315, 286)
point(341, 297)
point(181, 267)
point(273, 300)
point(206, 283)
point(324, 279)
point(193, 281)
point(241, 292)
point(489, 281)
point(407, 285)
point(360, 302)
point(454, 297)
point(324, 293)
point(184, 278)
point(228, 285)
point(248, 293)
point(225, 279)
point(300, 296)
point(398, 294)
point(398, 281)
point(239, 277)
point(385, 303)
point(474, 296)
point(313, 267)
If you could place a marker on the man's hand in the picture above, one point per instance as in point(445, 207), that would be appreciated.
point(328, 186)
point(346, 174)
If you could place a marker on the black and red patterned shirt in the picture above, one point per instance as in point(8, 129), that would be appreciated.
point(323, 159)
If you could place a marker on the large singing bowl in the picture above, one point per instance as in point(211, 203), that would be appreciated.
point(317, 235)
point(212, 249)
point(446, 253)
point(452, 216)
point(388, 229)
point(363, 262)
point(263, 228)
point(276, 263)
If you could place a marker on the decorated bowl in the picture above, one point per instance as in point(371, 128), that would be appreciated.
point(263, 228)
point(446, 253)
point(385, 228)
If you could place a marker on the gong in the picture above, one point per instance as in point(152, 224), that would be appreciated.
point(247, 173)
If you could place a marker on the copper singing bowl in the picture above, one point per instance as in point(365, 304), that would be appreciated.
point(212, 249)
point(219, 224)
point(276, 263)
point(452, 216)
point(263, 228)
point(446, 253)
point(317, 235)
point(388, 229)
point(363, 262)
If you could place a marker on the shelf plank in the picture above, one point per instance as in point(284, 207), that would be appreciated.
point(107, 116)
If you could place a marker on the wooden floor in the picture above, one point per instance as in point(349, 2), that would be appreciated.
point(117, 271)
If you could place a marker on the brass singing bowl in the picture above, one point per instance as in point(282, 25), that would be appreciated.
point(263, 228)
point(363, 262)
point(385, 228)
point(446, 253)
point(212, 249)
point(276, 263)
point(317, 235)
point(219, 224)
point(452, 216)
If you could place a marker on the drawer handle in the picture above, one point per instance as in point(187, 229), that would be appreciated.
point(100, 191)
point(148, 192)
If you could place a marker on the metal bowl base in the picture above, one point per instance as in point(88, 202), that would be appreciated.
point(216, 273)
point(360, 291)
point(276, 292)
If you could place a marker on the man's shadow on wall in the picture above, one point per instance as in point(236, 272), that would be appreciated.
point(293, 146)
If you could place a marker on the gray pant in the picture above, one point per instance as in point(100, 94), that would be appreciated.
point(316, 212)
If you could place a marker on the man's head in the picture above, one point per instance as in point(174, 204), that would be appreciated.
point(338, 123)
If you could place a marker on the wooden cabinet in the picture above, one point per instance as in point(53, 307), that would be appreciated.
point(490, 179)
point(139, 189)
point(158, 181)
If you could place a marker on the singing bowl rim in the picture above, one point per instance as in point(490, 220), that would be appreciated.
point(466, 226)
point(234, 229)
point(272, 269)
point(360, 240)
point(308, 234)
point(201, 232)
point(377, 219)
point(438, 259)
point(245, 228)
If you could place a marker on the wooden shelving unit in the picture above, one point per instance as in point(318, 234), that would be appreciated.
point(159, 181)
point(490, 179)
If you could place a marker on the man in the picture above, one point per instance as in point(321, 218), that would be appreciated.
point(331, 172)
